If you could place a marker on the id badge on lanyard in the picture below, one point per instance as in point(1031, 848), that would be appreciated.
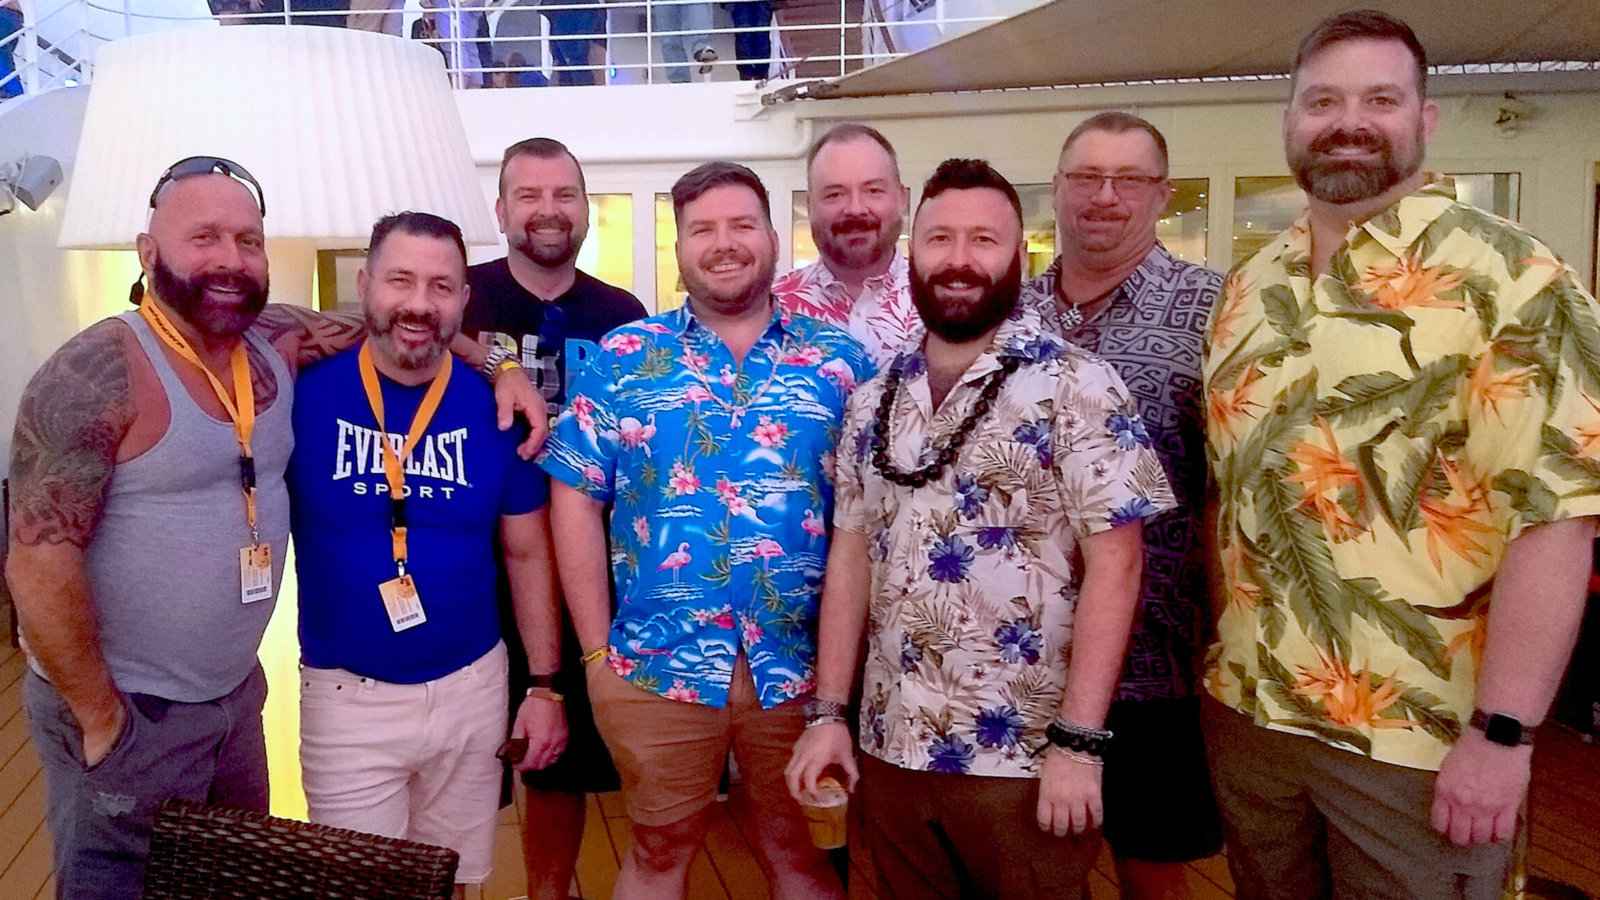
point(255, 558)
point(400, 597)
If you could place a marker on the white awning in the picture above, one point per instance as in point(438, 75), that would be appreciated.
point(1077, 42)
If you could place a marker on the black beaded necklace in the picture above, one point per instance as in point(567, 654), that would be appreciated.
point(945, 455)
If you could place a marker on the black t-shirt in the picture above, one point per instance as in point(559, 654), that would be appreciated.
point(548, 334)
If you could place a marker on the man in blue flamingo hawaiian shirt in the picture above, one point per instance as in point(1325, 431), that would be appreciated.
point(711, 429)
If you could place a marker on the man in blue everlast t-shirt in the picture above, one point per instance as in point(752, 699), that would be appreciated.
point(403, 689)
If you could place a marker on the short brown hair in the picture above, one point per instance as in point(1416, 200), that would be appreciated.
point(1363, 25)
point(969, 175)
point(851, 131)
point(540, 148)
point(706, 176)
point(419, 224)
point(1118, 122)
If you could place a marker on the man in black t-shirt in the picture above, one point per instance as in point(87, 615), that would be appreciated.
point(536, 304)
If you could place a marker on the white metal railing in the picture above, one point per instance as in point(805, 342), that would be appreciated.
point(505, 43)
point(29, 61)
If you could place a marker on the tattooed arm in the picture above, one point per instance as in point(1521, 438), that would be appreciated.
point(305, 336)
point(72, 418)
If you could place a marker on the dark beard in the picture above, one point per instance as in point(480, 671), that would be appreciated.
point(186, 297)
point(550, 258)
point(959, 326)
point(382, 331)
point(727, 304)
point(1351, 181)
point(836, 252)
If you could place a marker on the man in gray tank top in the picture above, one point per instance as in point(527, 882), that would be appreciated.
point(149, 525)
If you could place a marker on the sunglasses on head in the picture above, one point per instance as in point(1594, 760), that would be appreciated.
point(207, 165)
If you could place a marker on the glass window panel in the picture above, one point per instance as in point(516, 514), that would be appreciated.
point(669, 287)
point(1498, 192)
point(1038, 226)
point(1182, 227)
point(608, 252)
point(1263, 207)
point(800, 242)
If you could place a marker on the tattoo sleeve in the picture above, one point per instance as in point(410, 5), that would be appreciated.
point(306, 335)
point(70, 422)
point(73, 416)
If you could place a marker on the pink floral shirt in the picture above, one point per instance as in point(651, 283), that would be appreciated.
point(883, 318)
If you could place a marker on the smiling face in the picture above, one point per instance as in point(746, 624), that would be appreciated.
point(727, 249)
point(206, 254)
point(413, 290)
point(543, 210)
point(966, 262)
point(1103, 219)
point(855, 199)
point(1357, 125)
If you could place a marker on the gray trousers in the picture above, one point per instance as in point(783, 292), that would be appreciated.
point(100, 817)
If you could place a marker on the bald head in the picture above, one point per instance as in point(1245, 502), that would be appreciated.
point(205, 253)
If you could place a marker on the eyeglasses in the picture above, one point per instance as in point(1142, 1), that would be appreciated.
point(207, 165)
point(1089, 183)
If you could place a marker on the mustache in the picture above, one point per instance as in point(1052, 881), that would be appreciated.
point(853, 224)
point(553, 221)
point(226, 281)
point(717, 258)
point(1339, 139)
point(966, 275)
point(429, 320)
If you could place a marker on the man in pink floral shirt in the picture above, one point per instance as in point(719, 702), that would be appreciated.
point(860, 284)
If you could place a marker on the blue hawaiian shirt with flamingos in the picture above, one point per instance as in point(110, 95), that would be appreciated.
point(721, 478)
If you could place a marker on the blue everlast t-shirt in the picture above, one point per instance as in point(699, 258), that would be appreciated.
point(462, 476)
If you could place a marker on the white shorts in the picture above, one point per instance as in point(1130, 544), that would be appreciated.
point(412, 761)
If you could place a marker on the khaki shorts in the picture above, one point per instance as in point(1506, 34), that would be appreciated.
point(671, 754)
point(413, 761)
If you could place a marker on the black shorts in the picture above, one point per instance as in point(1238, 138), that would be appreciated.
point(585, 766)
point(1159, 805)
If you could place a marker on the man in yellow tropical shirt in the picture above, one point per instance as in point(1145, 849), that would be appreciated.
point(1403, 423)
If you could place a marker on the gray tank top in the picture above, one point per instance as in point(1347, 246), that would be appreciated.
point(164, 560)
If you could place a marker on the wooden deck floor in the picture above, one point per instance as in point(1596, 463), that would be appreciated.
point(1566, 830)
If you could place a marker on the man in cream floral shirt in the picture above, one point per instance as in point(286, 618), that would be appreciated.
point(990, 490)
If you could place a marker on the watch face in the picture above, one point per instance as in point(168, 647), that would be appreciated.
point(1503, 730)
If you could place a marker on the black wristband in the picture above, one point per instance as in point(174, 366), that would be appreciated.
point(1077, 738)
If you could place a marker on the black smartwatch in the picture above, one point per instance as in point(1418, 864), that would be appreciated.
point(1501, 729)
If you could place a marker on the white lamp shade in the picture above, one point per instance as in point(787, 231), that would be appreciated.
point(340, 127)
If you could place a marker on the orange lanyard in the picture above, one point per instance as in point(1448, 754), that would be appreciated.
point(393, 471)
point(243, 415)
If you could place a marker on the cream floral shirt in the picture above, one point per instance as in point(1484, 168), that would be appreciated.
point(974, 576)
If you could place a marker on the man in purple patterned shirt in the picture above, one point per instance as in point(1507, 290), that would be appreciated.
point(1116, 292)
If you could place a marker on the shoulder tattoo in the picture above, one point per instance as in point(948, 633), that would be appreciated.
point(72, 418)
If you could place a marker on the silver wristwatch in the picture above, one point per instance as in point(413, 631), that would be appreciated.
point(492, 361)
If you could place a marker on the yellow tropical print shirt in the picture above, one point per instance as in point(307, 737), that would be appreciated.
point(1377, 438)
